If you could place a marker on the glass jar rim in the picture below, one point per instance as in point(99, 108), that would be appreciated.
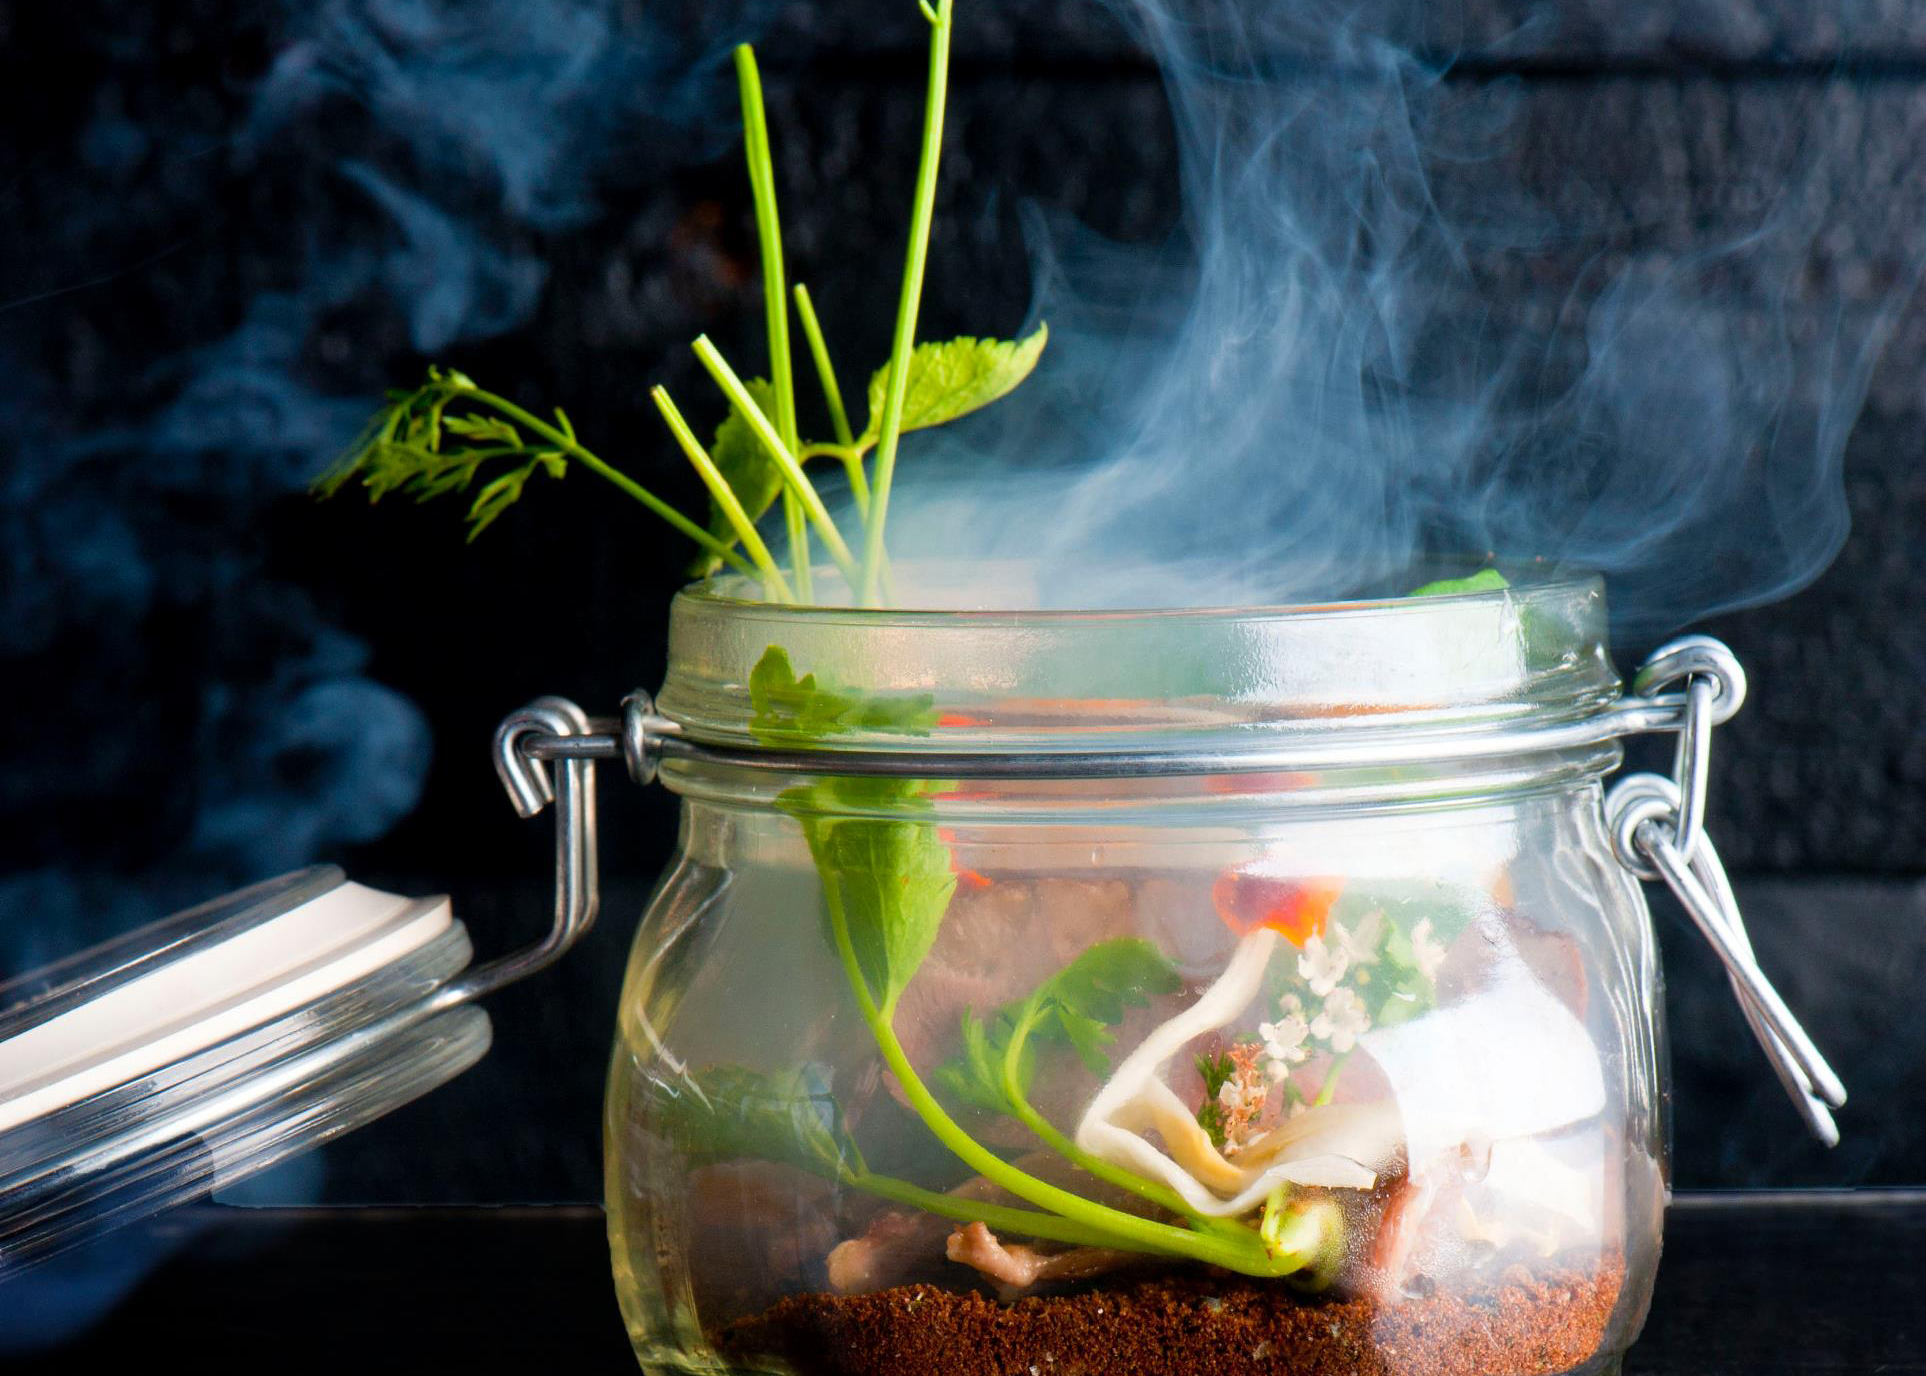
point(1529, 654)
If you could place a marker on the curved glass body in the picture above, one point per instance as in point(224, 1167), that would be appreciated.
point(1347, 1070)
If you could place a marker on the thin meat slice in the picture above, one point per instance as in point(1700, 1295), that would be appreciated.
point(1017, 1268)
point(901, 1244)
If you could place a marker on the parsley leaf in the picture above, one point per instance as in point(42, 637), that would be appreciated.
point(1075, 1007)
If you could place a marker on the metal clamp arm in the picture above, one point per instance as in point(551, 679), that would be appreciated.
point(572, 792)
point(1658, 831)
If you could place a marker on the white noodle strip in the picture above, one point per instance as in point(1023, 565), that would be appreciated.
point(1137, 1097)
point(1320, 1164)
point(1368, 1133)
point(1215, 1008)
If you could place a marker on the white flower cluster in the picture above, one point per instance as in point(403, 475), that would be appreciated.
point(1339, 1016)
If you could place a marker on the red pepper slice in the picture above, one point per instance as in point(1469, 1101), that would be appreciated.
point(1296, 908)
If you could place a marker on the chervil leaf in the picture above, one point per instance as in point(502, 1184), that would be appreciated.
point(483, 428)
point(1077, 1007)
point(506, 490)
point(952, 379)
point(433, 442)
point(746, 466)
point(728, 1113)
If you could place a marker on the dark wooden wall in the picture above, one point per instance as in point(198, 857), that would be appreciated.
point(200, 288)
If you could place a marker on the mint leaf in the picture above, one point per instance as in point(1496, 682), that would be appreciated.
point(746, 466)
point(729, 1113)
point(1076, 1007)
point(952, 379)
point(1484, 580)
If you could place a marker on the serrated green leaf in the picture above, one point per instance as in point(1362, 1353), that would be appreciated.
point(954, 378)
point(1075, 1007)
point(729, 1113)
point(746, 466)
point(874, 840)
point(973, 1077)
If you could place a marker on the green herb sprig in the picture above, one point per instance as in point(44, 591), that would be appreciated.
point(444, 437)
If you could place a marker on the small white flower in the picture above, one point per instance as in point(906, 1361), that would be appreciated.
point(1343, 1020)
point(1231, 1094)
point(1426, 949)
point(1292, 1004)
point(1320, 966)
point(1284, 1040)
point(1359, 945)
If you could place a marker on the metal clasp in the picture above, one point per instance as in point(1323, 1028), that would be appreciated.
point(1657, 827)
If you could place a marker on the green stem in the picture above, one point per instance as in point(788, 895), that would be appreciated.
point(1329, 1087)
point(845, 447)
point(798, 531)
point(825, 370)
point(785, 459)
point(1046, 1131)
point(1130, 1231)
point(568, 445)
point(922, 211)
point(775, 302)
point(725, 496)
point(830, 449)
point(1023, 1222)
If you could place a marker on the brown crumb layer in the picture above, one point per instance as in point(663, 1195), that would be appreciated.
point(1526, 1325)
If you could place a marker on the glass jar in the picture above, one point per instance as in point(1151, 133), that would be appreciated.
point(1193, 1064)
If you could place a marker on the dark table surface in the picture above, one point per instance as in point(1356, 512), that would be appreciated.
point(1759, 1284)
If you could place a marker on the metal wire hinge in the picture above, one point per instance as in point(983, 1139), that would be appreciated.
point(1657, 828)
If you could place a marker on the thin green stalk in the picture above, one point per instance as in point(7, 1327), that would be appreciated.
point(569, 445)
point(846, 449)
point(785, 459)
point(904, 341)
point(1329, 1087)
point(1140, 1234)
point(775, 303)
point(1024, 1222)
point(1046, 1131)
point(725, 496)
point(798, 531)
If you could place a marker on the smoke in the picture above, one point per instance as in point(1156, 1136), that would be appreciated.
point(180, 720)
point(1371, 345)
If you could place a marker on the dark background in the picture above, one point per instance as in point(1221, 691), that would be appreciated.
point(227, 227)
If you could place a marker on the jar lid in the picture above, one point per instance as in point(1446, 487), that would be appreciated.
point(197, 1051)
